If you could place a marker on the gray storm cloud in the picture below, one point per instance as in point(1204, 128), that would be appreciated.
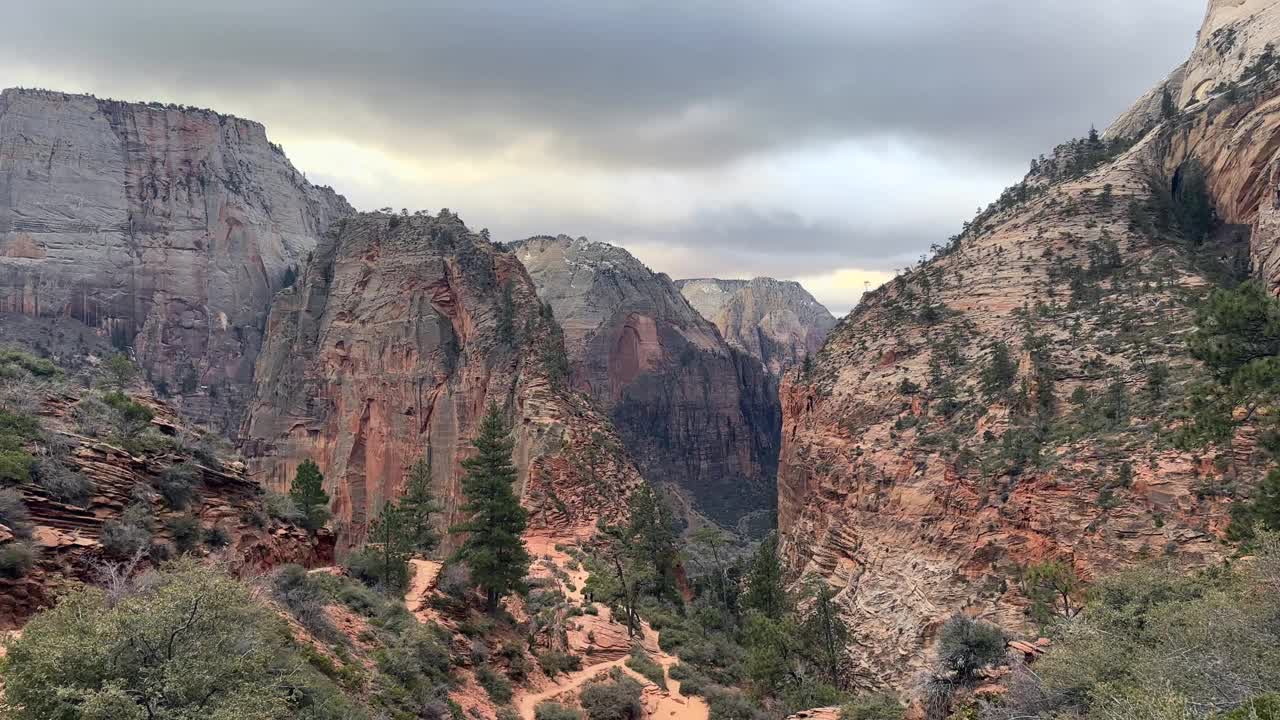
point(672, 87)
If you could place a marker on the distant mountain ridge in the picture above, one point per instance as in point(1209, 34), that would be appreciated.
point(693, 410)
point(776, 321)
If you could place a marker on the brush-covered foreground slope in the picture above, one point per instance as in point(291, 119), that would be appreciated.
point(922, 470)
point(692, 411)
point(776, 321)
point(166, 228)
point(91, 476)
point(398, 335)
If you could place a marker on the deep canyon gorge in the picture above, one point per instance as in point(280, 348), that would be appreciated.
point(1015, 399)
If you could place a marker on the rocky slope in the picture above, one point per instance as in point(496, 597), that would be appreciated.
point(776, 321)
point(689, 408)
point(172, 492)
point(920, 473)
point(398, 335)
point(166, 228)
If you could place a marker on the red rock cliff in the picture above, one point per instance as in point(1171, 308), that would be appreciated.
point(399, 334)
point(692, 410)
point(919, 484)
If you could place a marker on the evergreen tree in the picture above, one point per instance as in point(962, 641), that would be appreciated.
point(418, 505)
point(392, 540)
point(654, 539)
point(507, 315)
point(1168, 108)
point(307, 492)
point(1000, 371)
point(493, 548)
point(765, 591)
point(825, 632)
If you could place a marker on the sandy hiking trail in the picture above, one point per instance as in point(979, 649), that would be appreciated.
point(660, 704)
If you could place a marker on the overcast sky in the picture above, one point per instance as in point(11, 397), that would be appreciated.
point(829, 141)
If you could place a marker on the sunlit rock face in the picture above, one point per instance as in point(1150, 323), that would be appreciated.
point(167, 228)
point(398, 336)
point(693, 411)
point(918, 494)
point(776, 321)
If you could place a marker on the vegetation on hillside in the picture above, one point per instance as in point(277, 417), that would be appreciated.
point(1154, 644)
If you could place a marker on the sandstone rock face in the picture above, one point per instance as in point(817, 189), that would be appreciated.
point(1229, 122)
point(168, 229)
point(776, 321)
point(399, 334)
point(918, 483)
point(692, 410)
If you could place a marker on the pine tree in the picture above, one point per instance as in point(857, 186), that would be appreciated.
point(765, 591)
point(493, 548)
point(826, 633)
point(1168, 108)
point(654, 538)
point(1000, 371)
point(307, 492)
point(390, 547)
point(418, 505)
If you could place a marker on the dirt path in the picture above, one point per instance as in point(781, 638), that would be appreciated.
point(425, 573)
point(659, 704)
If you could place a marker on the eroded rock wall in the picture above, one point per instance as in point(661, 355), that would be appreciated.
point(168, 229)
point(776, 321)
point(919, 492)
point(399, 334)
point(692, 410)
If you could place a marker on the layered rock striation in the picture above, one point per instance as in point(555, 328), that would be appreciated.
point(776, 321)
point(399, 334)
point(167, 228)
point(692, 410)
point(70, 540)
point(1010, 400)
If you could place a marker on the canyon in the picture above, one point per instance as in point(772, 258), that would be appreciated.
point(1011, 400)
point(692, 410)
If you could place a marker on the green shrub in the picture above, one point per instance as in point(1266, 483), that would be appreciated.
point(13, 512)
point(93, 655)
point(614, 699)
point(498, 687)
point(418, 659)
point(1263, 707)
point(548, 710)
point(63, 483)
point(187, 532)
point(506, 712)
point(691, 681)
point(643, 664)
point(304, 598)
point(217, 537)
point(16, 559)
point(131, 533)
point(369, 565)
point(15, 467)
point(38, 367)
point(732, 704)
point(555, 662)
point(965, 646)
point(281, 507)
point(878, 706)
point(177, 485)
